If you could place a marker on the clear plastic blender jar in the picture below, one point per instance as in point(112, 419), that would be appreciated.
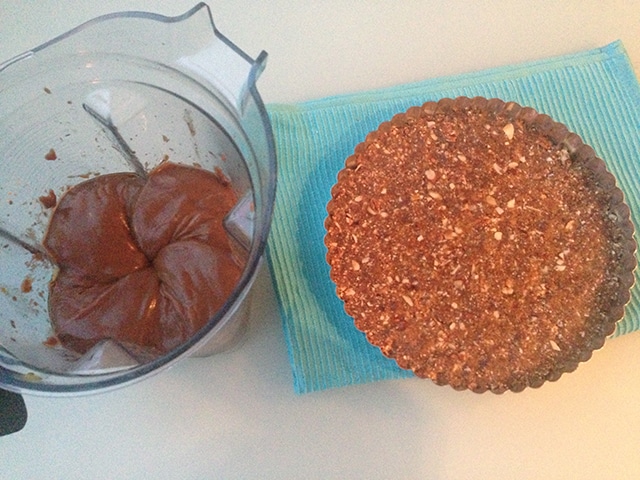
point(121, 93)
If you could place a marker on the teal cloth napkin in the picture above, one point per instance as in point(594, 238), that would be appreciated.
point(595, 93)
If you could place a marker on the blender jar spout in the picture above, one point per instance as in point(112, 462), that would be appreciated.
point(219, 62)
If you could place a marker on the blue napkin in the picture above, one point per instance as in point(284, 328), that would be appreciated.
point(595, 93)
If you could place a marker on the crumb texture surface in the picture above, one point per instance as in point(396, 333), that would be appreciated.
point(473, 248)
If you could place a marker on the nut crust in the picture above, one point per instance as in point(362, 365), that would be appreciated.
point(480, 244)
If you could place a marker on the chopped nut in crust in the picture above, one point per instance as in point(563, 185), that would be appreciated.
point(492, 234)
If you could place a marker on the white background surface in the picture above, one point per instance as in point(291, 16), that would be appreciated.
point(235, 415)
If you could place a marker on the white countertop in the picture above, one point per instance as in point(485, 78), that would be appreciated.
point(235, 415)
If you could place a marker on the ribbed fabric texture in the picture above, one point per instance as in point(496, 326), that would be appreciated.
point(595, 93)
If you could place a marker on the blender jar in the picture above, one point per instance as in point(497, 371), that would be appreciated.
point(122, 93)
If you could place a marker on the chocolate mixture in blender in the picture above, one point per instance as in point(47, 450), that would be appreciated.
point(142, 261)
